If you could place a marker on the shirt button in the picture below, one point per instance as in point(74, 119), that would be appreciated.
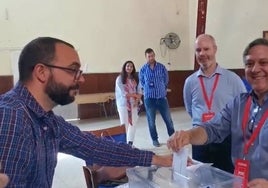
point(45, 128)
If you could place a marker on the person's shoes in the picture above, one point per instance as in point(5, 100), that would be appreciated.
point(156, 143)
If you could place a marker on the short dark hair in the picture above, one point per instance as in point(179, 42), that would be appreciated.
point(41, 49)
point(256, 42)
point(148, 51)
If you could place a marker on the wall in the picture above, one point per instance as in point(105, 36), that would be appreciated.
point(234, 24)
point(105, 33)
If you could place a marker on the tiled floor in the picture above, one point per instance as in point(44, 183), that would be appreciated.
point(69, 172)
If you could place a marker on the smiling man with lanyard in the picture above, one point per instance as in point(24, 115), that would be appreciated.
point(245, 119)
point(205, 93)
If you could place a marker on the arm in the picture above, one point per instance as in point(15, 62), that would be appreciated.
point(187, 96)
point(165, 161)
point(100, 151)
point(14, 148)
point(259, 182)
point(119, 86)
point(166, 78)
point(139, 92)
point(194, 136)
point(141, 78)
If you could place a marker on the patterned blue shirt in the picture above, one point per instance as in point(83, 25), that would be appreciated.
point(154, 81)
point(31, 138)
point(229, 122)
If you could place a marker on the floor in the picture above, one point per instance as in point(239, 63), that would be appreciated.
point(69, 173)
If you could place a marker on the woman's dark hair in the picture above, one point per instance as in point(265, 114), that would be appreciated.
point(39, 50)
point(124, 74)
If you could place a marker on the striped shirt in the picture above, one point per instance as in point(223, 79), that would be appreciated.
point(154, 81)
point(30, 139)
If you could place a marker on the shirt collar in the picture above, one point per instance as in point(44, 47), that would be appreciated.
point(31, 102)
point(148, 64)
point(48, 117)
point(255, 97)
point(218, 70)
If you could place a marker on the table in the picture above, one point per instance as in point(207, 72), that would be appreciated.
point(95, 98)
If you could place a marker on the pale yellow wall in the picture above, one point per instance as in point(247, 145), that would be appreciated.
point(106, 33)
point(234, 24)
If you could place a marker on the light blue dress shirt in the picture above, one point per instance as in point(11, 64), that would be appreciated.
point(229, 121)
point(229, 86)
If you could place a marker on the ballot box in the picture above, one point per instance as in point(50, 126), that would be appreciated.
point(200, 176)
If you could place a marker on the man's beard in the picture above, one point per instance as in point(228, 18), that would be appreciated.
point(60, 93)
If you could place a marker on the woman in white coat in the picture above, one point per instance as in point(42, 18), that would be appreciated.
point(128, 96)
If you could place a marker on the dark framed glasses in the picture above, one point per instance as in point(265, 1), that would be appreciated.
point(76, 72)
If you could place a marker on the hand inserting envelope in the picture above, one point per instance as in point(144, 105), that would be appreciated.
point(180, 162)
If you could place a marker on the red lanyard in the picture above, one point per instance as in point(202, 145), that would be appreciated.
point(207, 100)
point(245, 122)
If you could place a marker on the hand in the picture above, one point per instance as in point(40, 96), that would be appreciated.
point(178, 140)
point(189, 161)
point(258, 183)
point(3, 180)
point(163, 161)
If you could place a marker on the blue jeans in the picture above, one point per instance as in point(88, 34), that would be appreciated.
point(151, 105)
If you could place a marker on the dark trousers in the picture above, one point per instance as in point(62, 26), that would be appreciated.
point(218, 154)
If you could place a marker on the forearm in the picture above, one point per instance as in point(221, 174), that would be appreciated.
point(198, 136)
point(165, 161)
point(104, 152)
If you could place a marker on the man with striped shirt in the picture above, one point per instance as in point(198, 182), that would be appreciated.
point(154, 80)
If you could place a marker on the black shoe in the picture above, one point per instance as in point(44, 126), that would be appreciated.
point(156, 143)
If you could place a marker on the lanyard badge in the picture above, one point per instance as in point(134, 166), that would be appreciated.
point(209, 115)
point(242, 170)
point(242, 166)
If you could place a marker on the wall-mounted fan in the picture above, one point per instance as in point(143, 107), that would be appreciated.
point(171, 40)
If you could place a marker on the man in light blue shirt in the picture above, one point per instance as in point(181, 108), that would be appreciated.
point(205, 93)
point(154, 80)
point(245, 118)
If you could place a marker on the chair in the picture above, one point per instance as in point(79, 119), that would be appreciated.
point(117, 134)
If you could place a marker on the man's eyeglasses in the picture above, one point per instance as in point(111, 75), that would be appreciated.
point(252, 121)
point(76, 72)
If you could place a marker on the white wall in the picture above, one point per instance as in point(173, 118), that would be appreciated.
point(234, 24)
point(106, 33)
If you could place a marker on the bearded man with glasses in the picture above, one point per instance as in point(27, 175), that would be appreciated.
point(31, 135)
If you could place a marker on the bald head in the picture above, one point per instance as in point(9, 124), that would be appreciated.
point(206, 37)
point(205, 52)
